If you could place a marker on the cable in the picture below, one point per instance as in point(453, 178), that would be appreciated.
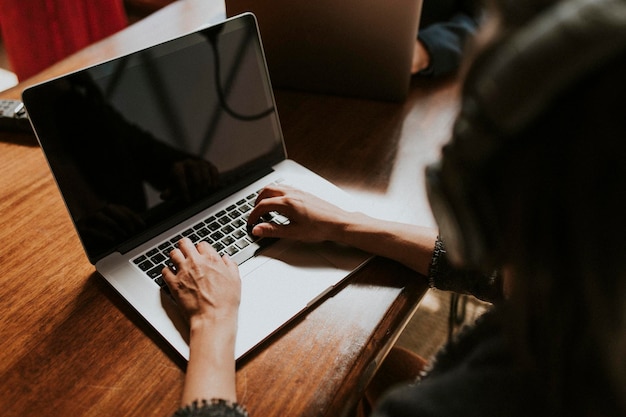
point(220, 91)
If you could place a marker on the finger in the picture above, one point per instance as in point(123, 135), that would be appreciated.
point(230, 264)
point(269, 192)
point(204, 248)
point(272, 230)
point(168, 275)
point(177, 256)
point(187, 247)
point(268, 205)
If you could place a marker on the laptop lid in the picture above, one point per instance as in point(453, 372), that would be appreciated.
point(142, 144)
point(360, 48)
point(139, 143)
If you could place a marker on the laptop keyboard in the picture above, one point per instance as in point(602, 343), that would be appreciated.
point(225, 230)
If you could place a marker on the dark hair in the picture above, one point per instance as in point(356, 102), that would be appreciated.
point(560, 189)
point(564, 199)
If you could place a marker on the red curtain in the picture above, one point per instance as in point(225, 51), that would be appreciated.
point(38, 33)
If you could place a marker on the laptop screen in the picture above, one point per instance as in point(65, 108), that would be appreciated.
point(144, 141)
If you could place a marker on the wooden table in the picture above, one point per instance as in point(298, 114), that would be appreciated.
point(69, 344)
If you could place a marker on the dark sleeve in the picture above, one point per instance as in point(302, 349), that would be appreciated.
point(214, 408)
point(443, 276)
point(445, 42)
point(477, 376)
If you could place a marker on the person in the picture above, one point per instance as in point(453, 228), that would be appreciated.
point(529, 202)
point(445, 29)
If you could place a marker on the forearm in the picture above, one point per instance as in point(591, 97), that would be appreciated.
point(408, 244)
point(211, 367)
point(315, 220)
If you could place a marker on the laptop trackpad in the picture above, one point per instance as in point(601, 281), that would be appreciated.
point(278, 285)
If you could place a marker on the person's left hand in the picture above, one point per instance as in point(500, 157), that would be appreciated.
point(205, 285)
point(421, 57)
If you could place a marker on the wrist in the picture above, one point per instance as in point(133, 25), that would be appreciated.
point(352, 229)
point(201, 324)
point(211, 366)
point(341, 229)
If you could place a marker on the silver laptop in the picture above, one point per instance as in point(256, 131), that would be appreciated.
point(360, 48)
point(176, 140)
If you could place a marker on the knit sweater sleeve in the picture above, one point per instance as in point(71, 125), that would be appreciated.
point(213, 408)
point(443, 276)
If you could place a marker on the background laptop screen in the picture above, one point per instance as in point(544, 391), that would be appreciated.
point(143, 141)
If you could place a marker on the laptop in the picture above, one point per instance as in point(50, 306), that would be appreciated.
point(357, 48)
point(176, 140)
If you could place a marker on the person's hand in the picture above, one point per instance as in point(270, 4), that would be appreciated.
point(205, 285)
point(311, 219)
point(421, 58)
point(207, 288)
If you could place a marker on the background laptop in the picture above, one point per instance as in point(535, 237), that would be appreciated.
point(172, 141)
point(360, 48)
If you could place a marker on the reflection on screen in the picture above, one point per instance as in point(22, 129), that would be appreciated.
point(142, 140)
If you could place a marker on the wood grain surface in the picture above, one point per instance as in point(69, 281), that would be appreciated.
point(69, 345)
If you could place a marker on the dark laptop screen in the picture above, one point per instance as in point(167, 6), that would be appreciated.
point(141, 142)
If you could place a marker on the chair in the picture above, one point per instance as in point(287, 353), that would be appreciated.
point(38, 33)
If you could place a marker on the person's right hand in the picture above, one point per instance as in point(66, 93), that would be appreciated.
point(311, 219)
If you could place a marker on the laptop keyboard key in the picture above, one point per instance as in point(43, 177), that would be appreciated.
point(145, 265)
point(155, 272)
point(231, 250)
point(226, 231)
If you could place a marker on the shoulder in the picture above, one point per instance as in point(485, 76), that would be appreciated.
point(475, 375)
